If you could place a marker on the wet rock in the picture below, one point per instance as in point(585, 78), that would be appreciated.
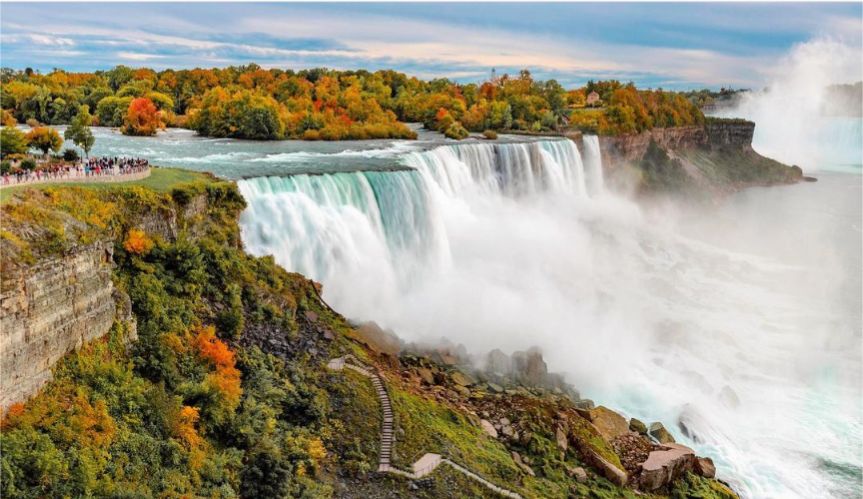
point(658, 431)
point(666, 465)
point(637, 426)
point(704, 466)
point(488, 428)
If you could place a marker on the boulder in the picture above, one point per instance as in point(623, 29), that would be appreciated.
point(666, 465)
point(560, 436)
point(704, 467)
point(509, 432)
point(584, 404)
point(427, 375)
point(377, 339)
point(529, 366)
point(521, 464)
point(637, 426)
point(611, 472)
point(498, 362)
point(488, 428)
point(462, 379)
point(578, 473)
point(658, 431)
point(609, 423)
point(464, 392)
point(495, 387)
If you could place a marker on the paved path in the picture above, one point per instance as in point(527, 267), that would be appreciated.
point(428, 462)
point(122, 177)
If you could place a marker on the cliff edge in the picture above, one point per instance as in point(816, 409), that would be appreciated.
point(698, 161)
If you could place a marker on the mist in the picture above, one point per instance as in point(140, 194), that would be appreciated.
point(796, 113)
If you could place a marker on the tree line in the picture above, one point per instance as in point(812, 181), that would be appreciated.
point(321, 104)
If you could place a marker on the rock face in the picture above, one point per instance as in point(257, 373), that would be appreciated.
point(665, 466)
point(50, 308)
point(725, 133)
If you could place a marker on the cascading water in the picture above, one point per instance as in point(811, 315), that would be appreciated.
point(514, 245)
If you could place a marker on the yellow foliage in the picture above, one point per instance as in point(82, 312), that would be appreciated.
point(184, 426)
point(316, 449)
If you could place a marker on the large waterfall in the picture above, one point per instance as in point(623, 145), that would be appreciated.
point(514, 245)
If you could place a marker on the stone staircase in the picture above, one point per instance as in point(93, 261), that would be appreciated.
point(428, 462)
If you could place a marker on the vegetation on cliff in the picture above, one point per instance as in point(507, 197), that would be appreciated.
point(225, 393)
point(320, 104)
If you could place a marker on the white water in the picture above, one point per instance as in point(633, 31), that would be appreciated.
point(791, 125)
point(744, 323)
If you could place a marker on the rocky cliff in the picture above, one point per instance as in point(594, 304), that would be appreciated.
point(50, 308)
point(713, 158)
point(56, 288)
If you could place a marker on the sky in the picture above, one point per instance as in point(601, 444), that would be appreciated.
point(670, 45)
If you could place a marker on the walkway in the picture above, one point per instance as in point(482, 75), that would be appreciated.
point(428, 462)
point(68, 178)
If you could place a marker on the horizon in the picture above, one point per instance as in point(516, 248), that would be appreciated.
point(677, 46)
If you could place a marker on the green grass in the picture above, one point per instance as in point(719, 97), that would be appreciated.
point(160, 180)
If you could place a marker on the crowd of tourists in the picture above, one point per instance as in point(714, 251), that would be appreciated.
point(89, 168)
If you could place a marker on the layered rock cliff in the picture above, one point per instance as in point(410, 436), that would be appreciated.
point(56, 288)
point(51, 308)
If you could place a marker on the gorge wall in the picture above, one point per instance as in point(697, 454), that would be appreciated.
point(52, 303)
point(714, 134)
point(50, 308)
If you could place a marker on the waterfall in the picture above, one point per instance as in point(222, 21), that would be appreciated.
point(593, 164)
point(373, 234)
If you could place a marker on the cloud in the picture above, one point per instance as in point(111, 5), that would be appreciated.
point(673, 46)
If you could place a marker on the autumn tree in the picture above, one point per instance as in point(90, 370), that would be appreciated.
point(12, 141)
point(79, 130)
point(44, 139)
point(142, 118)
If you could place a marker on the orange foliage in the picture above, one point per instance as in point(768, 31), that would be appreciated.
point(15, 411)
point(142, 118)
point(225, 381)
point(137, 242)
point(184, 426)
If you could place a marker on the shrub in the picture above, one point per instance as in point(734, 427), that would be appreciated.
point(70, 155)
point(138, 242)
point(490, 134)
point(28, 164)
point(456, 131)
point(33, 123)
point(5, 167)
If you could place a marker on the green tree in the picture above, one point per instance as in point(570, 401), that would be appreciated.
point(45, 139)
point(79, 130)
point(12, 141)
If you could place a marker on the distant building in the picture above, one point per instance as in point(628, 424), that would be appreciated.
point(593, 99)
